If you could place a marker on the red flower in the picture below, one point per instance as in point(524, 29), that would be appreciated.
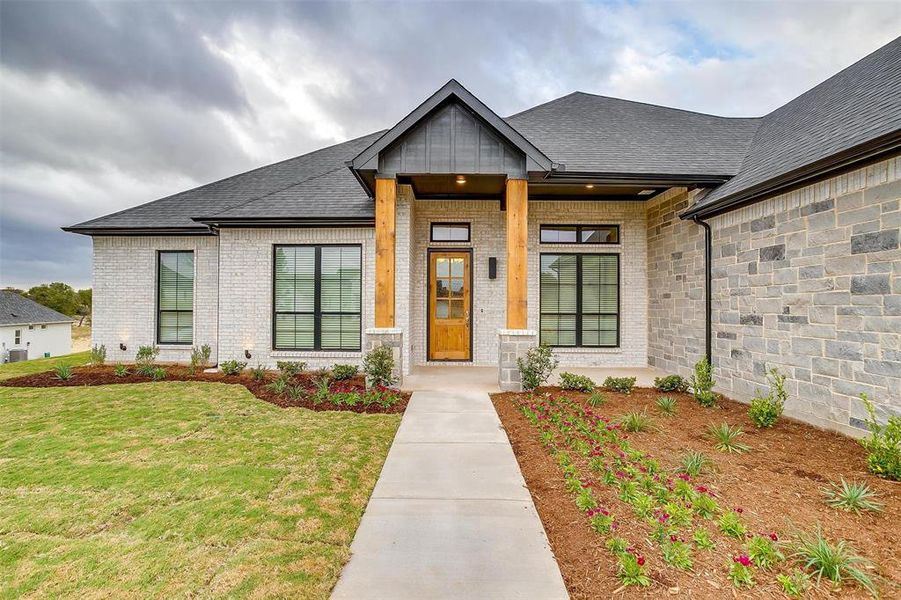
point(743, 559)
point(739, 510)
point(640, 561)
point(774, 537)
point(673, 538)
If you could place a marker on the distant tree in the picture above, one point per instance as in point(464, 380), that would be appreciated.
point(16, 290)
point(58, 296)
point(85, 301)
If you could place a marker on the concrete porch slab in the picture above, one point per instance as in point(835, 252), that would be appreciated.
point(468, 471)
point(458, 402)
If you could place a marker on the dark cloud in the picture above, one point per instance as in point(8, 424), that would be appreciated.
point(107, 105)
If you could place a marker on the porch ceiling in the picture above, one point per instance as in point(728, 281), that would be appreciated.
point(491, 187)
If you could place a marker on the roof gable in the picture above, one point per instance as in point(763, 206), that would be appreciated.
point(449, 110)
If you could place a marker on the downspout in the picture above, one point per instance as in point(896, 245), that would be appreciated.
point(708, 278)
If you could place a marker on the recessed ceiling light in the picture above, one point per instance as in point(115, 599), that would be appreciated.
point(461, 179)
point(645, 192)
point(589, 186)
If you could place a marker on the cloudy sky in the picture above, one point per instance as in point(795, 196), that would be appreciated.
point(108, 105)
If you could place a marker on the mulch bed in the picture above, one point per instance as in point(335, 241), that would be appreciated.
point(104, 375)
point(777, 484)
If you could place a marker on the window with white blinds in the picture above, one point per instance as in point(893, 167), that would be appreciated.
point(175, 298)
point(579, 300)
point(317, 298)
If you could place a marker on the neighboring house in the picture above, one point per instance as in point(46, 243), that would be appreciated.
point(31, 330)
point(458, 235)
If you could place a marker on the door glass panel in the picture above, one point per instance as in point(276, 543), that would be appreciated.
point(456, 309)
point(441, 309)
point(456, 288)
point(442, 287)
point(457, 267)
point(442, 267)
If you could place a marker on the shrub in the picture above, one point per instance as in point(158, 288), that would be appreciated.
point(740, 571)
point(635, 421)
point(596, 399)
point(764, 551)
point(670, 383)
point(342, 372)
point(726, 438)
point(232, 367)
point(631, 570)
point(883, 444)
point(258, 373)
point(836, 562)
point(63, 372)
point(536, 367)
point(677, 554)
point(766, 410)
point(666, 405)
point(795, 583)
point(730, 524)
point(158, 373)
point(693, 462)
point(854, 497)
point(120, 370)
point(146, 356)
point(579, 383)
point(702, 383)
point(200, 358)
point(290, 368)
point(623, 385)
point(279, 384)
point(378, 364)
point(702, 540)
point(98, 354)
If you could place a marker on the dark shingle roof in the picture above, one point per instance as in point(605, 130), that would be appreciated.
point(18, 310)
point(597, 134)
point(320, 180)
point(858, 105)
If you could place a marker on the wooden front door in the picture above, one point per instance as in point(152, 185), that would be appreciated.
point(450, 301)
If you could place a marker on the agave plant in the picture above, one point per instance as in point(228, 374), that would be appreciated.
point(855, 497)
point(726, 438)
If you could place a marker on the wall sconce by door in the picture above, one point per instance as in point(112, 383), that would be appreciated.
point(492, 267)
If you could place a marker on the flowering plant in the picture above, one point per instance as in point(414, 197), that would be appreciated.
point(741, 572)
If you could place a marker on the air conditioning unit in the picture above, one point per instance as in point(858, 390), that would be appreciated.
point(18, 355)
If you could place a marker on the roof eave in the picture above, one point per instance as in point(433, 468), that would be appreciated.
point(92, 231)
point(831, 165)
point(220, 222)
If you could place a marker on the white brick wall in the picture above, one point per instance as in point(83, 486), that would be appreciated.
point(488, 235)
point(245, 311)
point(124, 306)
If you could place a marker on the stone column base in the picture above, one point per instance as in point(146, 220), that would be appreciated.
point(390, 337)
point(513, 343)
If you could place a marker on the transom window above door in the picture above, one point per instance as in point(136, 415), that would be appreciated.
point(580, 234)
point(450, 232)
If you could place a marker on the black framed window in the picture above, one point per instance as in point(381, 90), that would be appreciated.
point(316, 291)
point(579, 300)
point(579, 234)
point(175, 297)
point(450, 232)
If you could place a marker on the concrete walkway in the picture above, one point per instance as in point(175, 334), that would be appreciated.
point(450, 516)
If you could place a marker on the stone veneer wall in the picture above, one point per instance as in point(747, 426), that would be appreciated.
point(808, 282)
point(124, 310)
point(488, 238)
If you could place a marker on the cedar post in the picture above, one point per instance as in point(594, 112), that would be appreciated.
point(385, 235)
point(517, 196)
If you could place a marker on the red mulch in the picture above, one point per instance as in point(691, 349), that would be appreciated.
point(777, 484)
point(104, 375)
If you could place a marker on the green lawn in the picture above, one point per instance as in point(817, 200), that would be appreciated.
point(27, 367)
point(179, 489)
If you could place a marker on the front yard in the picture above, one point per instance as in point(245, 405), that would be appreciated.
point(178, 489)
point(643, 502)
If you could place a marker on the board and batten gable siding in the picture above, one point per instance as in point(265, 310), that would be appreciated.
point(808, 282)
point(125, 303)
point(452, 140)
point(488, 239)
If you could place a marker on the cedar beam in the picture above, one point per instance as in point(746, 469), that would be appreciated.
point(517, 197)
point(385, 235)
